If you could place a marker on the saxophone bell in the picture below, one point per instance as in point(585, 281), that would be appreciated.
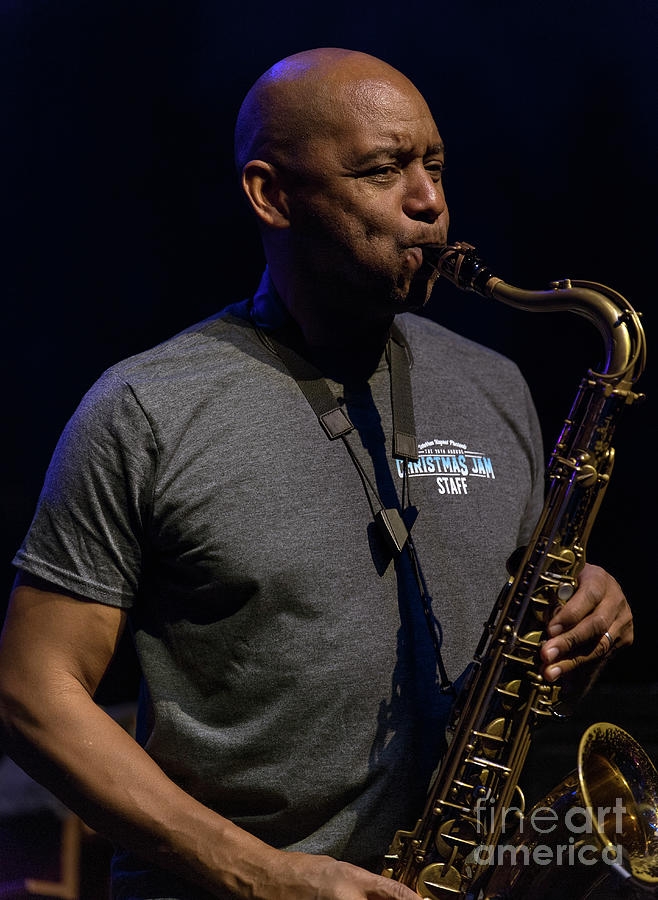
point(604, 815)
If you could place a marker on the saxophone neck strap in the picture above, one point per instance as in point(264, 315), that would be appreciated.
point(405, 445)
point(331, 415)
point(336, 423)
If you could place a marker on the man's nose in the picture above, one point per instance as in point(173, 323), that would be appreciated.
point(423, 198)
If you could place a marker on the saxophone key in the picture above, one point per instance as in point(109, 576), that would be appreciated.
point(438, 880)
point(523, 660)
point(459, 807)
point(492, 737)
point(464, 784)
point(510, 692)
point(565, 591)
point(456, 837)
point(530, 640)
point(487, 763)
point(563, 557)
point(541, 608)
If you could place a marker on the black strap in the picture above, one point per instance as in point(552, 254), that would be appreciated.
point(405, 446)
point(336, 424)
point(332, 417)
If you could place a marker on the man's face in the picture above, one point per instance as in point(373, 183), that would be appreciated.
point(367, 197)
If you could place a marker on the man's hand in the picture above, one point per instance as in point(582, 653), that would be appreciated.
point(307, 877)
point(578, 633)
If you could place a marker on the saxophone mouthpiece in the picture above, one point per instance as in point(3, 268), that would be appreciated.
point(432, 253)
point(460, 264)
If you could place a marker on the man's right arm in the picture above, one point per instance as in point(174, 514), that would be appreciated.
point(54, 651)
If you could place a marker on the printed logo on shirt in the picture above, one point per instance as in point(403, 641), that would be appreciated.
point(451, 464)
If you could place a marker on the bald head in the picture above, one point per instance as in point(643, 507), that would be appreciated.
point(342, 162)
point(297, 100)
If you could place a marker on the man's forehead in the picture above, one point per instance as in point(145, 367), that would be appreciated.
point(377, 98)
point(366, 133)
point(395, 145)
point(395, 115)
point(325, 94)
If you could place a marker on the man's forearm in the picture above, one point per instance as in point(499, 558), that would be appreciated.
point(85, 758)
point(54, 650)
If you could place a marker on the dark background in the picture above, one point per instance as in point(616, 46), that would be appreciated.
point(123, 221)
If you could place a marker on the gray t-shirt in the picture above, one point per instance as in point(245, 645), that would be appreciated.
point(290, 677)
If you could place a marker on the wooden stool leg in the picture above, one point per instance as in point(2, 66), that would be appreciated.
point(68, 887)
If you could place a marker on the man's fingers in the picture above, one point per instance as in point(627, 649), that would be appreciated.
point(587, 634)
point(594, 620)
point(588, 642)
point(376, 887)
point(391, 890)
point(323, 878)
point(588, 631)
point(595, 587)
point(567, 664)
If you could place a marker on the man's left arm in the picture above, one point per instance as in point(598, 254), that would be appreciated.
point(583, 632)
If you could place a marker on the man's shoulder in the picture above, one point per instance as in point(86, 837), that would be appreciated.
point(181, 370)
point(226, 334)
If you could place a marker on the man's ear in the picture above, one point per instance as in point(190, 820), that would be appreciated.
point(261, 183)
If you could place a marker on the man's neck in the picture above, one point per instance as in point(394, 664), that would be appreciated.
point(344, 347)
point(346, 354)
point(347, 362)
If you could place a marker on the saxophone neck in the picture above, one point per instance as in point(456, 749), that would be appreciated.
point(617, 322)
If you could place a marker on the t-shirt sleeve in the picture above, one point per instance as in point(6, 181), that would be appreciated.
point(536, 498)
point(89, 528)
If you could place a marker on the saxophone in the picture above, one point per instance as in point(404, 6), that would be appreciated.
point(505, 697)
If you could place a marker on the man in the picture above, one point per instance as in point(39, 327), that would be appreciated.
point(291, 711)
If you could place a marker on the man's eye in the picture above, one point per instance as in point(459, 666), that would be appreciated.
point(436, 170)
point(383, 173)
